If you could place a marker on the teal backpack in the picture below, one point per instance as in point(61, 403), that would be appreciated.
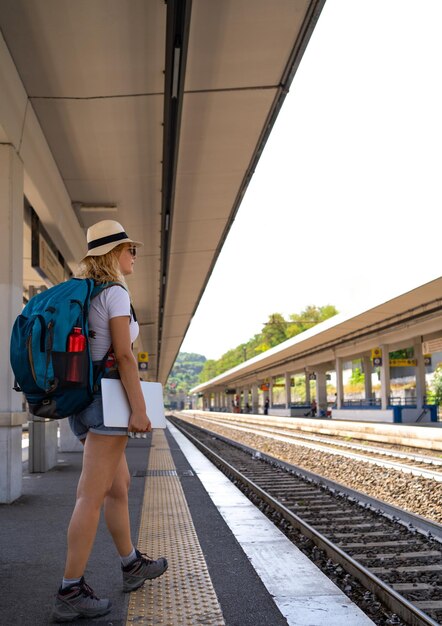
point(57, 382)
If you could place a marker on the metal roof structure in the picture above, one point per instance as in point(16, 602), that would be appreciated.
point(417, 313)
point(151, 113)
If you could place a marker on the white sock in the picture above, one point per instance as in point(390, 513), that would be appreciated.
point(125, 560)
point(69, 581)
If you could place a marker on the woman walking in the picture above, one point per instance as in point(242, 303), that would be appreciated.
point(104, 479)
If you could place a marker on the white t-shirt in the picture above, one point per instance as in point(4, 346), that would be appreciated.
point(111, 302)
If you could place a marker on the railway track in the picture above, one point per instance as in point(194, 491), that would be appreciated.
point(396, 556)
point(426, 466)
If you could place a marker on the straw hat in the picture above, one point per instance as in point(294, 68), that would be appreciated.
point(104, 236)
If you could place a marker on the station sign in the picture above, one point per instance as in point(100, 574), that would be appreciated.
point(403, 362)
point(45, 258)
point(376, 356)
point(264, 387)
point(143, 361)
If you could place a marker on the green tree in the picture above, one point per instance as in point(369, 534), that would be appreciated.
point(357, 376)
point(274, 331)
point(209, 371)
point(436, 385)
point(405, 353)
point(185, 372)
point(309, 317)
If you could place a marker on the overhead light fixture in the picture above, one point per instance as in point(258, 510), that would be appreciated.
point(95, 208)
point(176, 71)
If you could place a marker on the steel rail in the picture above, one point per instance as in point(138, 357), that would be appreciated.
point(421, 524)
point(420, 458)
point(406, 518)
point(289, 438)
point(393, 600)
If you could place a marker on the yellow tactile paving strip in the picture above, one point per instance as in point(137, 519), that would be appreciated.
point(184, 595)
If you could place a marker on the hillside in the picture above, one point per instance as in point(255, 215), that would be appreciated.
point(184, 374)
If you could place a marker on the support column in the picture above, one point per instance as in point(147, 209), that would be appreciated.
point(288, 390)
point(12, 415)
point(68, 441)
point(307, 389)
point(339, 383)
point(367, 367)
point(271, 390)
point(245, 395)
point(421, 387)
point(223, 400)
point(255, 399)
point(321, 393)
point(385, 376)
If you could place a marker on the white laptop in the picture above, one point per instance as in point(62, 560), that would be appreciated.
point(116, 409)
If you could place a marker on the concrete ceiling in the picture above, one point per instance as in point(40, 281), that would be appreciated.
point(160, 110)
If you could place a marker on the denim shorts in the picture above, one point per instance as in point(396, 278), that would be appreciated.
point(91, 419)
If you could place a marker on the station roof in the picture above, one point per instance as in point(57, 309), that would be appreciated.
point(153, 114)
point(415, 313)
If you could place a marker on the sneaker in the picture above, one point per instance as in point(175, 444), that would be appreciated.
point(141, 569)
point(76, 601)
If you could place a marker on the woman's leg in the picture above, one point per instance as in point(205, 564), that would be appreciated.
point(116, 509)
point(101, 459)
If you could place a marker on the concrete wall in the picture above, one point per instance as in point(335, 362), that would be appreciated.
point(366, 415)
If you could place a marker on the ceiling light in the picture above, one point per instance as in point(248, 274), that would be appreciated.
point(95, 208)
point(176, 71)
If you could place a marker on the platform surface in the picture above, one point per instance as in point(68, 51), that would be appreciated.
point(228, 565)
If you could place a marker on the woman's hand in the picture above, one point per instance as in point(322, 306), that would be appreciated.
point(139, 423)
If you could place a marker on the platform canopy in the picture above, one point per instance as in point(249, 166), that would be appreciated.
point(414, 315)
point(152, 113)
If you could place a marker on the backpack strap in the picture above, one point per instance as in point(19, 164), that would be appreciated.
point(132, 310)
point(99, 371)
point(99, 287)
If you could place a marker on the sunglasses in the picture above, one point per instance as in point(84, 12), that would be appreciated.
point(133, 252)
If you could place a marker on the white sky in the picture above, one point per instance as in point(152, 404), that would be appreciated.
point(345, 205)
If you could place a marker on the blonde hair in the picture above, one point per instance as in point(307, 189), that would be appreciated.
point(103, 268)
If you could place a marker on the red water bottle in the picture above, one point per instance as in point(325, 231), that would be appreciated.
point(76, 345)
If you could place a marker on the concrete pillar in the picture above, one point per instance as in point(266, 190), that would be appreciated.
point(321, 393)
point(245, 401)
point(385, 376)
point(421, 388)
point(12, 416)
point(271, 390)
point(68, 441)
point(339, 383)
point(288, 390)
point(367, 367)
point(42, 445)
point(307, 388)
point(255, 399)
